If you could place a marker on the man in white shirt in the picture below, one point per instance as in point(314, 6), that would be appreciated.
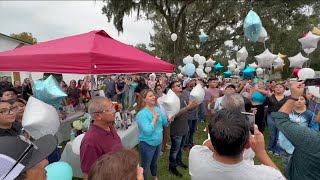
point(222, 156)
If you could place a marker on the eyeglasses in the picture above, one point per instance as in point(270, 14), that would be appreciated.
point(7, 111)
point(108, 110)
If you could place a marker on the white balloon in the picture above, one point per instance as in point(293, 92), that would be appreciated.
point(309, 41)
point(197, 93)
point(199, 71)
point(180, 67)
point(297, 60)
point(171, 104)
point(314, 90)
point(200, 66)
point(207, 69)
point(241, 65)
point(40, 119)
point(174, 36)
point(237, 71)
point(168, 74)
point(188, 60)
point(183, 71)
point(266, 59)
point(242, 55)
point(232, 67)
point(180, 76)
point(210, 62)
point(253, 65)
point(202, 60)
point(263, 35)
point(196, 57)
point(77, 143)
point(202, 75)
point(305, 73)
point(233, 61)
point(259, 71)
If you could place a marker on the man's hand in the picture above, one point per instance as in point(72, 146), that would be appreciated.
point(257, 142)
point(192, 104)
point(297, 89)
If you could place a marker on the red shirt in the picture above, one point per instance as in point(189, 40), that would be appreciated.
point(95, 143)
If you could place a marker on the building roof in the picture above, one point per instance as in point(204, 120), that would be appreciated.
point(15, 39)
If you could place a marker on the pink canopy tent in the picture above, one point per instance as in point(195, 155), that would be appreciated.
point(94, 52)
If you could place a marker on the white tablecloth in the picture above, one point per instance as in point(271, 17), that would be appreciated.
point(129, 139)
point(63, 133)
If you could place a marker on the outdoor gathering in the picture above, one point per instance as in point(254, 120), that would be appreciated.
point(160, 90)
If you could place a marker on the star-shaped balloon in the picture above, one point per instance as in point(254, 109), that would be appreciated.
point(278, 64)
point(297, 60)
point(309, 41)
point(253, 65)
point(187, 59)
point(241, 65)
point(218, 67)
point(203, 37)
point(309, 50)
point(259, 71)
point(265, 59)
point(48, 91)
point(210, 62)
point(252, 26)
point(242, 55)
point(227, 74)
point(232, 62)
point(232, 67)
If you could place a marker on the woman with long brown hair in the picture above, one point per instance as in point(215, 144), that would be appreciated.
point(150, 123)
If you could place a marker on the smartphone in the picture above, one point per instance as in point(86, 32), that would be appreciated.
point(312, 82)
point(251, 119)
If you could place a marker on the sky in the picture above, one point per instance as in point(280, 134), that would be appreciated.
point(48, 20)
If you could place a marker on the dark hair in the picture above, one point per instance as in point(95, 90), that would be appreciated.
point(213, 79)
point(8, 101)
point(12, 101)
point(120, 165)
point(79, 82)
point(171, 85)
point(229, 132)
point(6, 90)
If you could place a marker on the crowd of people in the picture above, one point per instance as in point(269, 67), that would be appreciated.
point(286, 108)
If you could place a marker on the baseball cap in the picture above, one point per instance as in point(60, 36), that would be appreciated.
point(230, 86)
point(186, 81)
point(18, 154)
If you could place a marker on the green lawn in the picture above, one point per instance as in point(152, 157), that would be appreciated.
point(200, 136)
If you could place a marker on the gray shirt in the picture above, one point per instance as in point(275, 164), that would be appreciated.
point(202, 166)
point(180, 126)
point(110, 89)
point(192, 114)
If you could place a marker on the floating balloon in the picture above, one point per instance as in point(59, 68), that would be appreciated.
point(183, 70)
point(180, 76)
point(49, 91)
point(237, 71)
point(190, 69)
point(263, 35)
point(310, 50)
point(232, 62)
point(218, 67)
point(187, 59)
point(241, 65)
point(297, 60)
point(252, 26)
point(40, 119)
point(278, 64)
point(305, 73)
point(174, 37)
point(309, 41)
point(180, 67)
point(203, 37)
point(253, 65)
point(59, 170)
point(242, 55)
point(314, 90)
point(200, 66)
point(202, 60)
point(316, 31)
point(265, 59)
point(232, 67)
point(259, 71)
point(199, 71)
point(207, 69)
point(248, 72)
point(196, 57)
point(210, 62)
point(295, 72)
point(227, 74)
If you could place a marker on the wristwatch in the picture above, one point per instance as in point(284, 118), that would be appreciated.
point(295, 99)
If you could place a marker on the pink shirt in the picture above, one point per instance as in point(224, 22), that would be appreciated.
point(210, 94)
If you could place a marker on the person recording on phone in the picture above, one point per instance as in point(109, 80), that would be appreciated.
point(221, 157)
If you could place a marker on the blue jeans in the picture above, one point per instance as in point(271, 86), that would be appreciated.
point(149, 158)
point(285, 158)
point(175, 157)
point(201, 112)
point(273, 136)
point(192, 130)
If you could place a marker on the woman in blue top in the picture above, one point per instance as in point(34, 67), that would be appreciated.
point(150, 123)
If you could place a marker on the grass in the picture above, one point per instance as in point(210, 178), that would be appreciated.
point(200, 136)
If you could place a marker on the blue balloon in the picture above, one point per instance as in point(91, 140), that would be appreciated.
point(48, 91)
point(252, 26)
point(59, 170)
point(218, 67)
point(227, 74)
point(203, 37)
point(190, 69)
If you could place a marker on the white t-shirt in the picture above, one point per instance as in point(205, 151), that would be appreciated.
point(202, 166)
